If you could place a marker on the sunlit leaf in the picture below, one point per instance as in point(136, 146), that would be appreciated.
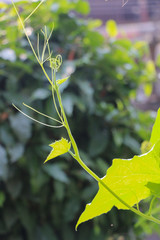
point(59, 147)
point(111, 28)
point(60, 81)
point(132, 180)
point(128, 179)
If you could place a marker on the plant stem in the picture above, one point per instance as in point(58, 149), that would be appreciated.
point(151, 205)
point(88, 170)
point(65, 118)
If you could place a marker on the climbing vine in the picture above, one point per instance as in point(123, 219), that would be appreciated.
point(126, 182)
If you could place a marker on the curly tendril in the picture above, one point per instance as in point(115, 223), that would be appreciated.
point(56, 62)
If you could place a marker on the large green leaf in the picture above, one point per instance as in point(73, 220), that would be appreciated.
point(128, 179)
point(131, 179)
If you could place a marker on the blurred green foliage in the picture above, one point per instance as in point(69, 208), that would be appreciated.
point(43, 202)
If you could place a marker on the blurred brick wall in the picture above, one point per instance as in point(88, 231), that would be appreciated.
point(133, 11)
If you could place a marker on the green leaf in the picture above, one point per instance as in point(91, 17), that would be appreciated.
point(111, 28)
point(82, 7)
point(60, 81)
point(128, 179)
point(59, 147)
point(155, 135)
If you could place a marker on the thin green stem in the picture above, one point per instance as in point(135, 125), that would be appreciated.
point(54, 101)
point(44, 45)
point(38, 46)
point(65, 118)
point(33, 119)
point(41, 64)
point(42, 113)
point(29, 41)
point(34, 11)
point(151, 205)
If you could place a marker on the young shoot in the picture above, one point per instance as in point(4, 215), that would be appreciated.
point(127, 182)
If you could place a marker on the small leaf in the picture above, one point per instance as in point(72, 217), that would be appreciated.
point(59, 147)
point(111, 28)
point(60, 81)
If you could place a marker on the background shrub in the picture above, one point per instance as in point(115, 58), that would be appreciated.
point(44, 201)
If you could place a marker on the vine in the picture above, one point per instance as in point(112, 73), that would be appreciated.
point(127, 182)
